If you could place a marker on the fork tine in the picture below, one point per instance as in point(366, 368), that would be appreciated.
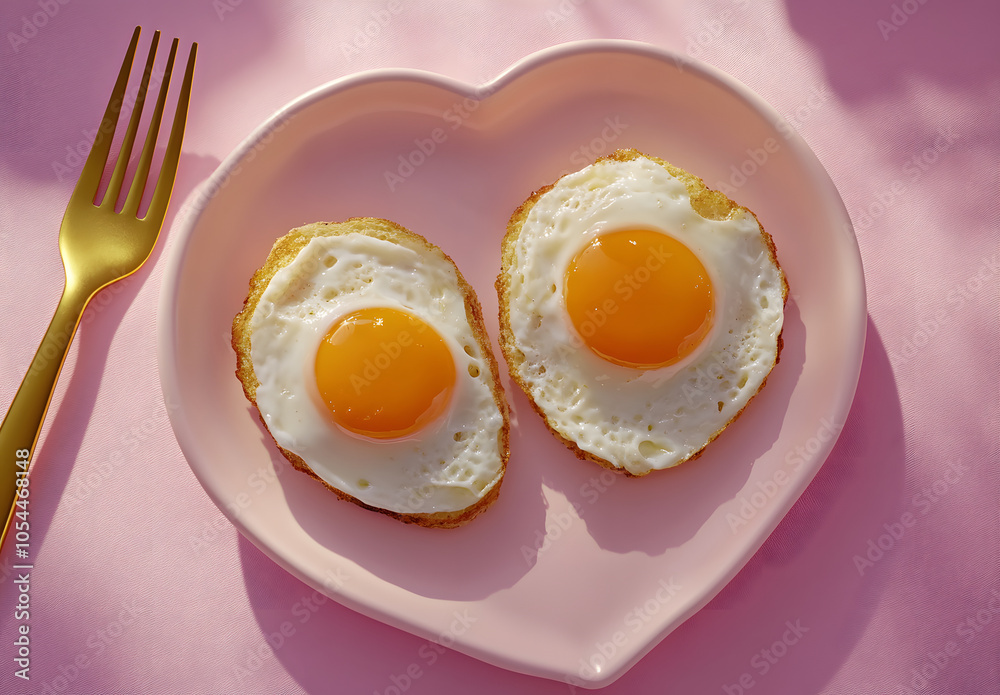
point(165, 183)
point(135, 192)
point(115, 186)
point(93, 169)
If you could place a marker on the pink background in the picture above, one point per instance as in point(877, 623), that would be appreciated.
point(140, 584)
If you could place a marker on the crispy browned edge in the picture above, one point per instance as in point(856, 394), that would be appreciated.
point(707, 202)
point(285, 249)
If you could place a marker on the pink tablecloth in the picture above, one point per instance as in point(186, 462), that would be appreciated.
point(886, 570)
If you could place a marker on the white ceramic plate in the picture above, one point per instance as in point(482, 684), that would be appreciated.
point(451, 162)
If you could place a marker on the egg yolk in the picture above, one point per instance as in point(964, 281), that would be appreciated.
point(639, 298)
point(384, 373)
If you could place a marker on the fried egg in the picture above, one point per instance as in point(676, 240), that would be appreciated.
point(373, 369)
point(638, 327)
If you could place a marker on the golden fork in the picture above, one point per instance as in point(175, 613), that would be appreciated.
point(98, 247)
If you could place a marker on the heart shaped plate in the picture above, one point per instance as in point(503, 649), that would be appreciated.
point(575, 573)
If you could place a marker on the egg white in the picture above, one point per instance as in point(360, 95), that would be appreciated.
point(641, 420)
point(446, 466)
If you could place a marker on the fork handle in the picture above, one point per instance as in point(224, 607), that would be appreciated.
point(20, 428)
